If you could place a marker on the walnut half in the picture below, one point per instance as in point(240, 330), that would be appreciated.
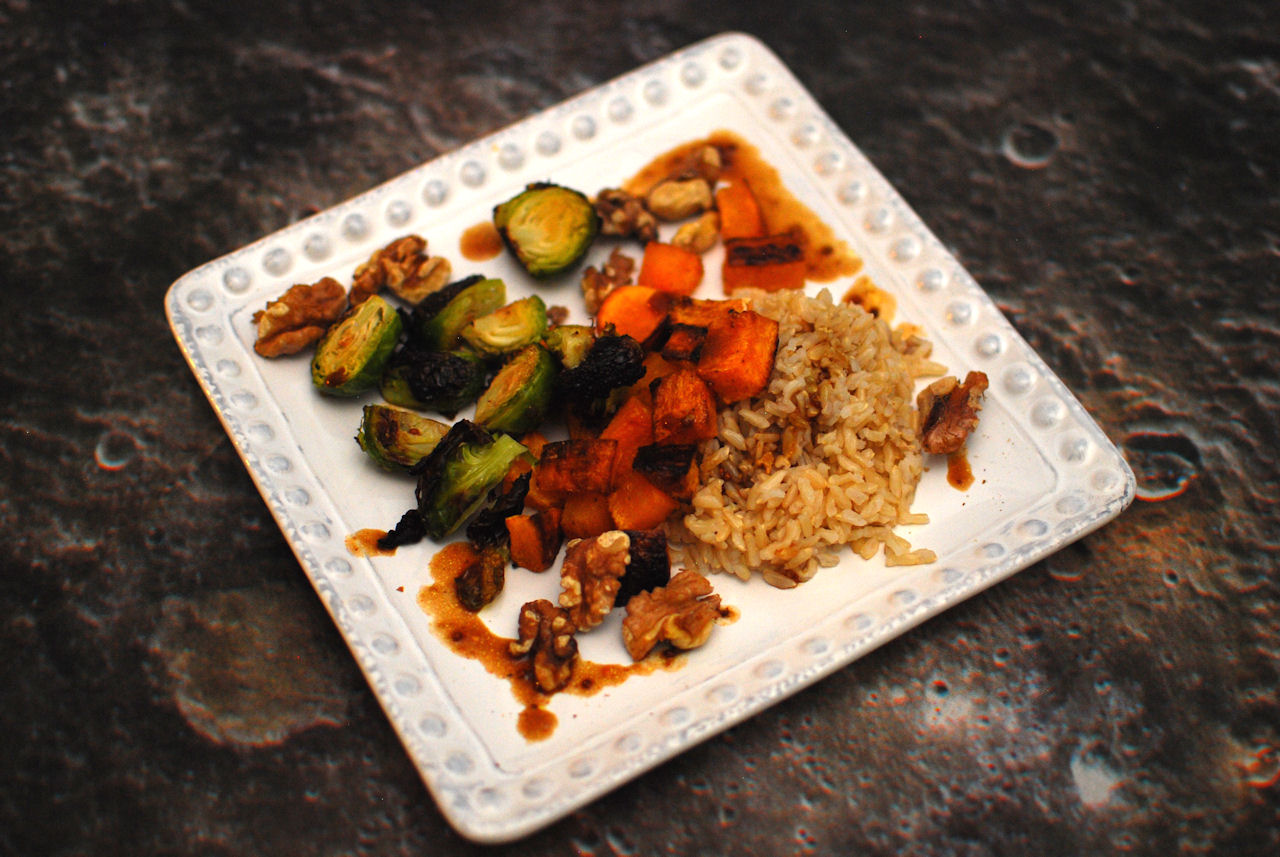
point(680, 613)
point(949, 412)
point(299, 317)
point(546, 632)
point(404, 267)
point(591, 575)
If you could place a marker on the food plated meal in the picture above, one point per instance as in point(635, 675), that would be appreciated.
point(1041, 472)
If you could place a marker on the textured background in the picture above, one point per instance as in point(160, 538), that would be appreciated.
point(169, 684)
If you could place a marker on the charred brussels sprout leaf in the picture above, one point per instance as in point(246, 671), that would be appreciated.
point(507, 329)
point(547, 227)
point(456, 478)
point(398, 439)
point(351, 356)
point(488, 528)
point(517, 397)
point(570, 343)
point(613, 361)
point(443, 330)
point(443, 381)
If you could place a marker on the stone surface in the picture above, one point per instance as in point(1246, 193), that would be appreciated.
point(1109, 175)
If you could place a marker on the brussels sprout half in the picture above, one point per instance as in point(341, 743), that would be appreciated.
point(518, 396)
point(456, 478)
point(508, 328)
point(547, 227)
point(443, 330)
point(397, 439)
point(570, 343)
point(350, 358)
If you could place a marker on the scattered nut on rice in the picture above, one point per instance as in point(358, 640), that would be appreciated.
point(828, 455)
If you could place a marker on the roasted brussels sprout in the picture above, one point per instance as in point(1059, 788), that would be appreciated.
point(547, 227)
point(351, 356)
point(456, 478)
point(397, 439)
point(570, 343)
point(489, 528)
point(443, 330)
point(508, 328)
point(613, 361)
point(442, 381)
point(517, 398)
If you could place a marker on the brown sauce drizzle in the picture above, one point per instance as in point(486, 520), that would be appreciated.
point(959, 475)
point(826, 257)
point(466, 634)
point(480, 242)
point(365, 543)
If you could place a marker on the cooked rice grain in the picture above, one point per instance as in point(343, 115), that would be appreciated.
point(834, 436)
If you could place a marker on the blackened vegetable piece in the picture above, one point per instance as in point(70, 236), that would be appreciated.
point(408, 531)
point(456, 478)
point(488, 528)
point(508, 328)
point(648, 565)
point(443, 330)
point(349, 359)
point(547, 227)
point(613, 361)
point(482, 580)
point(397, 439)
point(438, 300)
point(517, 398)
point(443, 381)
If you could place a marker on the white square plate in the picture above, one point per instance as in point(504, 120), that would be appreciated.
point(1045, 473)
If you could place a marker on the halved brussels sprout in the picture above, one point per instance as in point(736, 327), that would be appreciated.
point(508, 328)
point(442, 381)
point(351, 356)
point(456, 478)
point(443, 330)
point(570, 343)
point(396, 438)
point(547, 227)
point(518, 396)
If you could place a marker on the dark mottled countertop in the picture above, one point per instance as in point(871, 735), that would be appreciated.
point(1108, 172)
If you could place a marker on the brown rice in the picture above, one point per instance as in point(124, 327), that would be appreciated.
point(827, 456)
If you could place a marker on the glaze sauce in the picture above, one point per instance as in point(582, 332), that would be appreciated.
point(480, 242)
point(468, 636)
point(959, 475)
point(826, 257)
point(365, 543)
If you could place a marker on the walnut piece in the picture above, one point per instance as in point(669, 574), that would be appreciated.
point(597, 284)
point(681, 613)
point(404, 267)
point(299, 317)
point(949, 412)
point(705, 163)
point(700, 235)
point(624, 215)
point(482, 580)
point(676, 199)
point(591, 575)
point(546, 632)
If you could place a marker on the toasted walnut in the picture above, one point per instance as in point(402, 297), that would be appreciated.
point(949, 412)
point(597, 284)
point(700, 235)
point(591, 575)
point(299, 317)
point(676, 199)
point(680, 613)
point(546, 632)
point(624, 215)
point(404, 267)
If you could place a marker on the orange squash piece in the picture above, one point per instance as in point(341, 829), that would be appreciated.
point(637, 504)
point(569, 466)
point(586, 515)
point(684, 408)
point(771, 263)
point(670, 269)
point(635, 311)
point(535, 539)
point(632, 428)
point(739, 212)
point(737, 356)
